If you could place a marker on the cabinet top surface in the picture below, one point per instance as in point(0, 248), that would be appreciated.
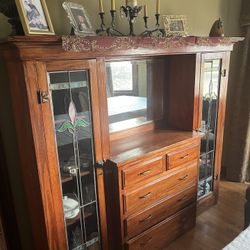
point(133, 147)
point(94, 46)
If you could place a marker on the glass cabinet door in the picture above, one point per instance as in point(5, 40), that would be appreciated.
point(70, 91)
point(210, 94)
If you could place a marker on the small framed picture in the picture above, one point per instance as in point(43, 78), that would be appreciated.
point(34, 16)
point(175, 25)
point(79, 19)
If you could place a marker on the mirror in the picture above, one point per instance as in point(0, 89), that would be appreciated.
point(127, 91)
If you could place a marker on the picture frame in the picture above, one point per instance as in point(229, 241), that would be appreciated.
point(35, 17)
point(79, 19)
point(175, 25)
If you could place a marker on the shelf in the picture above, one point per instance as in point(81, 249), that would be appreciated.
point(77, 218)
point(209, 178)
point(67, 177)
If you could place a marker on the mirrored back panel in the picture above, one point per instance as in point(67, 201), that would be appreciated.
point(132, 99)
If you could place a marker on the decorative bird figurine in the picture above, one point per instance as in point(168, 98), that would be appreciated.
point(217, 29)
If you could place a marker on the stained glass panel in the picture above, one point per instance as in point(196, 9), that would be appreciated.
point(74, 138)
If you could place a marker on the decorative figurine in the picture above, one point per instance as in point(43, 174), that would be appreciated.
point(217, 29)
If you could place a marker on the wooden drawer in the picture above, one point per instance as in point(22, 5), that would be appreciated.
point(165, 232)
point(154, 191)
point(142, 171)
point(182, 156)
point(139, 222)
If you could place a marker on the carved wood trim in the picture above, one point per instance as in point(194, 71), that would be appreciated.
point(79, 43)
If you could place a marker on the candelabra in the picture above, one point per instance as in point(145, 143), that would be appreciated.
point(102, 30)
point(112, 31)
point(131, 13)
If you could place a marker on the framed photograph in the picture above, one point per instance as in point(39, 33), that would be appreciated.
point(79, 19)
point(34, 16)
point(175, 25)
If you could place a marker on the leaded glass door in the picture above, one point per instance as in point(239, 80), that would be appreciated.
point(211, 85)
point(76, 119)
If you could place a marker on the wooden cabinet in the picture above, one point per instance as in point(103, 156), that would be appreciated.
point(109, 130)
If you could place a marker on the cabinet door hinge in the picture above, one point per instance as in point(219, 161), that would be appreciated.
point(43, 97)
point(224, 73)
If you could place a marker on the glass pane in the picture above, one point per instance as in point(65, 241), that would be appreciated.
point(211, 85)
point(73, 128)
point(129, 91)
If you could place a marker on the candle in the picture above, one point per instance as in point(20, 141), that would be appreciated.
point(101, 6)
point(145, 10)
point(131, 3)
point(112, 4)
point(158, 6)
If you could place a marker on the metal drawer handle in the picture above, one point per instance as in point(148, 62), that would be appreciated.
point(183, 178)
point(184, 156)
point(146, 242)
point(145, 172)
point(146, 219)
point(145, 196)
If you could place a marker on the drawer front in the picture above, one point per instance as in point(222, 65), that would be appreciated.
point(155, 191)
point(138, 223)
point(165, 232)
point(142, 171)
point(182, 156)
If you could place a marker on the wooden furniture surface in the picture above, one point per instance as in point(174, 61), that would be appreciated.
point(140, 171)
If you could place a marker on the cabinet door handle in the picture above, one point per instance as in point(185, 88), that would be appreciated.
point(145, 172)
point(146, 219)
point(145, 196)
point(184, 156)
point(183, 178)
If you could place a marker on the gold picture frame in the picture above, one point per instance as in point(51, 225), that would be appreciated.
point(175, 25)
point(35, 17)
point(79, 19)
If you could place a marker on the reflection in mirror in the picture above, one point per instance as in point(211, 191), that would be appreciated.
point(127, 91)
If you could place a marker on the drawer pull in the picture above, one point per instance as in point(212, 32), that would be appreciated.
point(145, 172)
point(183, 198)
point(183, 178)
point(184, 156)
point(145, 196)
point(146, 242)
point(146, 219)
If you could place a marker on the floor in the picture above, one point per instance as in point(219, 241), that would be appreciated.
point(220, 224)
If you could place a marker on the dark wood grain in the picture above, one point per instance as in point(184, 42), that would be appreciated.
point(134, 200)
point(28, 161)
point(152, 151)
point(181, 92)
point(139, 222)
point(182, 156)
point(9, 235)
point(162, 234)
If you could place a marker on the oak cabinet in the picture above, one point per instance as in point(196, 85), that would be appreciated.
point(118, 135)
